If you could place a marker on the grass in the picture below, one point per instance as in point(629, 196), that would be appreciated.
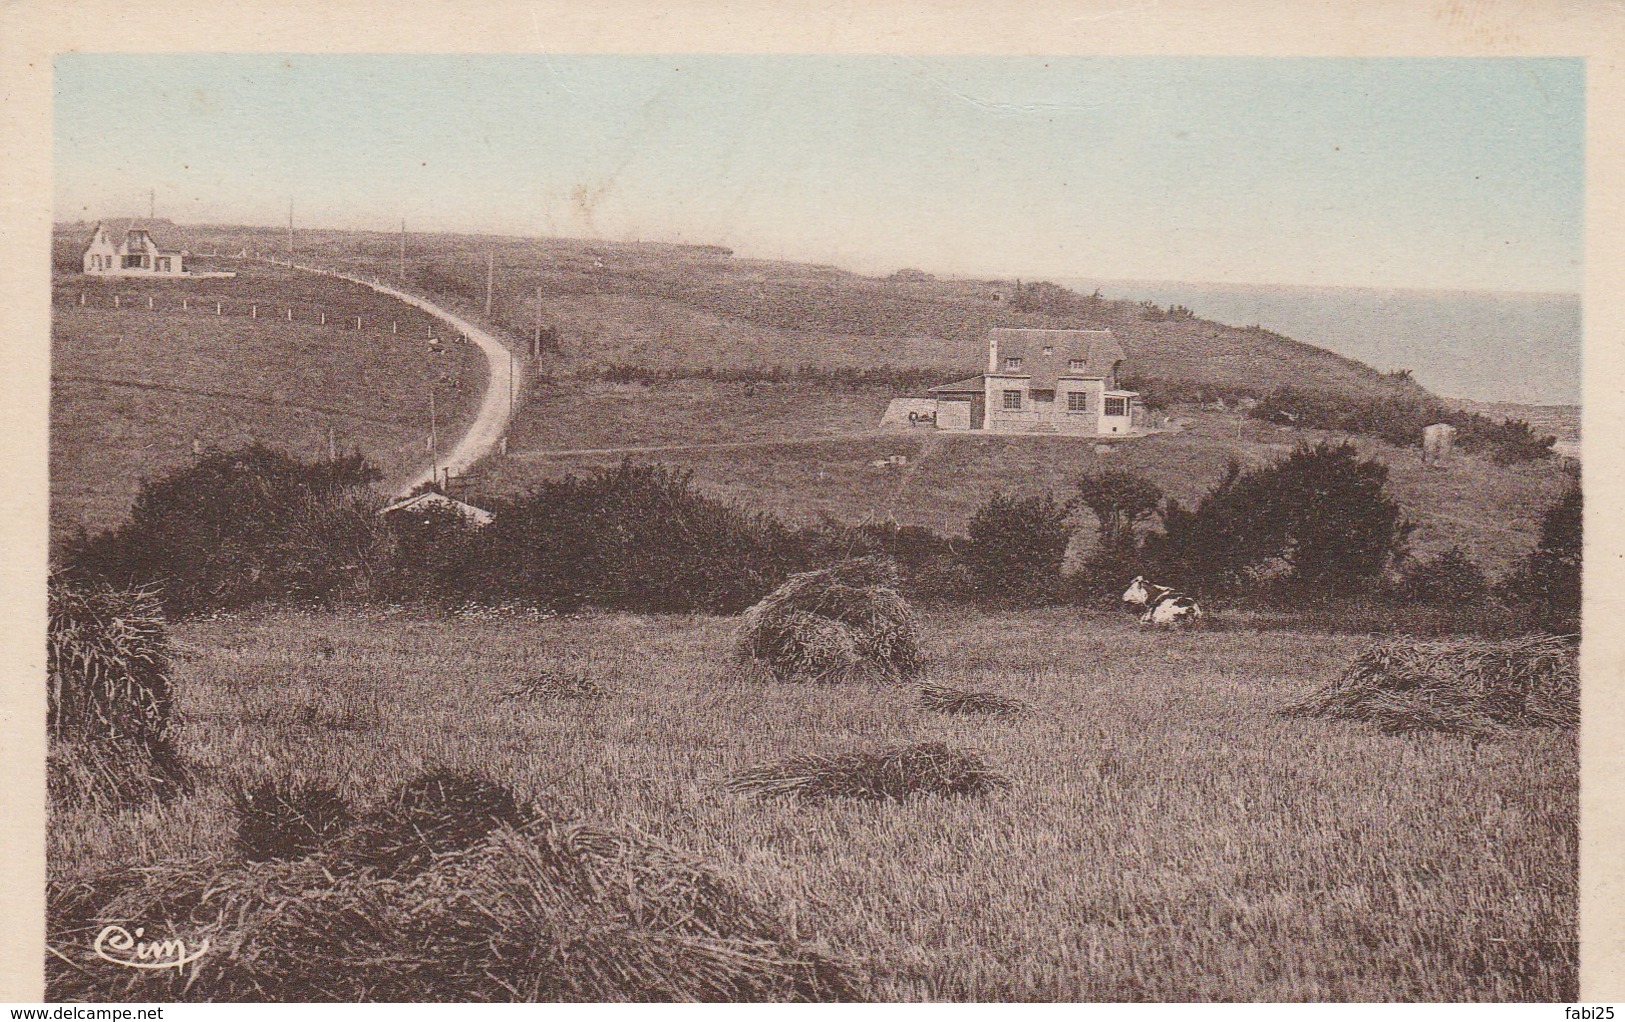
point(132, 389)
point(1166, 835)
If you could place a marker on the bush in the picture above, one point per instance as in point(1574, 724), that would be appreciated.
point(1017, 547)
point(242, 527)
point(1447, 578)
point(1320, 519)
point(1548, 582)
point(631, 538)
point(842, 623)
point(1399, 419)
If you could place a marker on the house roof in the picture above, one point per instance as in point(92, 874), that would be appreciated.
point(161, 231)
point(971, 386)
point(1047, 355)
point(430, 497)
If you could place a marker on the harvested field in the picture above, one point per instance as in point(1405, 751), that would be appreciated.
point(1166, 834)
point(892, 774)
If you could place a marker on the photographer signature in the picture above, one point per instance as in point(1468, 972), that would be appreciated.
point(121, 947)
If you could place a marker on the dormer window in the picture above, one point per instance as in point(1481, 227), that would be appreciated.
point(1076, 365)
point(1012, 363)
point(1049, 349)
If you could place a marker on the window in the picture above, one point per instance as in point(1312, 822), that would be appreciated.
point(1012, 399)
point(1012, 362)
point(163, 264)
point(1117, 406)
point(1049, 349)
point(1076, 365)
point(1077, 401)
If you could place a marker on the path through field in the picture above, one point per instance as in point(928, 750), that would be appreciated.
point(503, 386)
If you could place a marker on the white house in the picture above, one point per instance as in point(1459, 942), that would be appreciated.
point(1042, 381)
point(128, 248)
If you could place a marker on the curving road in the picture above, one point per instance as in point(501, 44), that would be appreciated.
point(504, 378)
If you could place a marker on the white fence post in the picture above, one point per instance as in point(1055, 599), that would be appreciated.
point(81, 298)
point(184, 305)
point(394, 327)
point(358, 322)
point(324, 319)
point(217, 308)
point(149, 301)
point(290, 315)
point(115, 301)
point(253, 312)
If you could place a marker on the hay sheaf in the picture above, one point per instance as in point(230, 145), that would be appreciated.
point(435, 813)
point(847, 622)
point(1469, 686)
point(110, 704)
point(890, 774)
point(548, 911)
point(555, 684)
point(945, 699)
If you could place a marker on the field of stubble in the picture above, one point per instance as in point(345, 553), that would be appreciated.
point(1165, 835)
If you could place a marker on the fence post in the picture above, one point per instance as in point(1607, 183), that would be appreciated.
point(394, 327)
point(217, 308)
point(324, 319)
point(115, 301)
point(149, 301)
point(358, 322)
point(290, 314)
point(81, 298)
point(184, 305)
point(253, 312)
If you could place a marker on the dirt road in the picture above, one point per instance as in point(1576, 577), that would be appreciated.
point(504, 384)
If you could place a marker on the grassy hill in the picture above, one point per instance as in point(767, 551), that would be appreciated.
point(733, 368)
point(133, 388)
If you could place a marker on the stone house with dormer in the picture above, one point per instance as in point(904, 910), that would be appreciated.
point(1042, 381)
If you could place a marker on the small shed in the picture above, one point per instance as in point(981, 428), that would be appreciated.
point(478, 516)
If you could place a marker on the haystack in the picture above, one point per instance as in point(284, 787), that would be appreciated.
point(959, 701)
point(435, 813)
point(890, 774)
point(549, 912)
point(109, 703)
point(843, 623)
point(1466, 686)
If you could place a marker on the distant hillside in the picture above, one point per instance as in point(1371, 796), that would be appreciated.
point(681, 309)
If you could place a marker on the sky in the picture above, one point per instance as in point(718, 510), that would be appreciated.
point(1450, 173)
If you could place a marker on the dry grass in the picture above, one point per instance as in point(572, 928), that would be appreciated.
point(110, 704)
point(1467, 686)
point(891, 774)
point(1167, 835)
point(844, 623)
point(557, 684)
point(947, 699)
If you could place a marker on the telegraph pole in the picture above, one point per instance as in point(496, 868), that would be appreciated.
point(290, 231)
point(152, 204)
point(536, 345)
point(403, 250)
point(490, 276)
point(434, 445)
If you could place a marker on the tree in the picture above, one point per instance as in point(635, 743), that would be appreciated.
point(1121, 501)
point(1017, 546)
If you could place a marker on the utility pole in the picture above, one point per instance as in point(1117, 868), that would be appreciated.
point(290, 231)
point(490, 276)
point(152, 203)
point(536, 345)
point(403, 250)
point(434, 445)
point(510, 384)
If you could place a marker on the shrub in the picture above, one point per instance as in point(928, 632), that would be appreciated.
point(242, 527)
point(1016, 547)
point(1447, 578)
point(1548, 582)
point(1399, 419)
point(837, 624)
point(891, 774)
point(631, 538)
point(1466, 686)
point(109, 704)
point(286, 817)
point(1323, 515)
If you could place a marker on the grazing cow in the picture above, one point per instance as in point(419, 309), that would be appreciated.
point(1163, 606)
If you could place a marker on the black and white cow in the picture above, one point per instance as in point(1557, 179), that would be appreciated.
point(1163, 606)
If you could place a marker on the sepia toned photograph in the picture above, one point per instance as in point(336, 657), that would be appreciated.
point(742, 527)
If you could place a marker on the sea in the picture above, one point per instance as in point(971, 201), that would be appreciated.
point(1490, 346)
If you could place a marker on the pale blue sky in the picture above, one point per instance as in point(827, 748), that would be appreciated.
point(1432, 173)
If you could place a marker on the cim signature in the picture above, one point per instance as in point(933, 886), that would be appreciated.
point(117, 945)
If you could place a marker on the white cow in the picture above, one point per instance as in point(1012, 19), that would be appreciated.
point(1163, 606)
